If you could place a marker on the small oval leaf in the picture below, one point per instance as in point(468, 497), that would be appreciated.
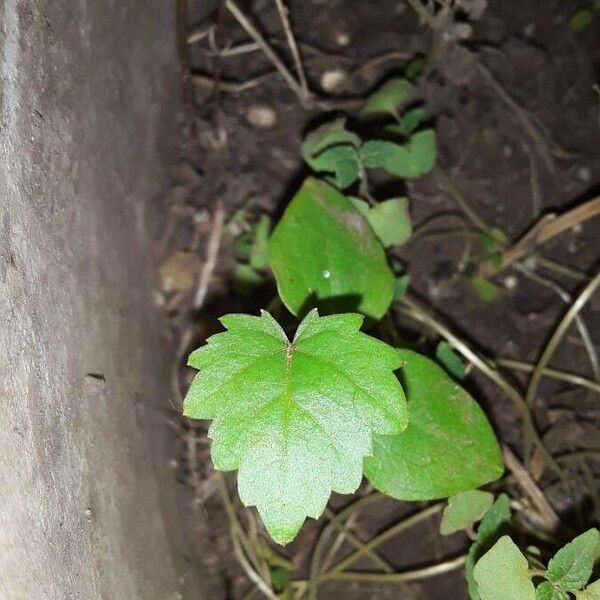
point(448, 447)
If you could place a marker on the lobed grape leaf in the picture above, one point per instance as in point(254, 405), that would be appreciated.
point(296, 418)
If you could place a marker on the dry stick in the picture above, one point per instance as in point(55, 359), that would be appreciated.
point(584, 332)
point(566, 321)
point(416, 312)
point(237, 534)
point(405, 577)
point(229, 86)
point(291, 40)
point(446, 182)
point(357, 543)
point(212, 252)
point(546, 512)
point(384, 536)
point(548, 227)
point(315, 562)
point(243, 20)
point(573, 378)
point(541, 146)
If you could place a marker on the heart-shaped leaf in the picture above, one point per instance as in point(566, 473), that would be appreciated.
point(464, 509)
point(389, 97)
point(296, 417)
point(410, 160)
point(324, 254)
point(448, 447)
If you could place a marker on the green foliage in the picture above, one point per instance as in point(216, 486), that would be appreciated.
point(546, 591)
point(448, 447)
point(572, 565)
point(568, 571)
point(283, 410)
point(581, 19)
point(464, 509)
point(259, 256)
point(503, 572)
point(410, 160)
point(591, 592)
point(493, 525)
point(324, 253)
point(486, 290)
point(401, 286)
point(450, 360)
point(389, 97)
point(331, 148)
point(390, 221)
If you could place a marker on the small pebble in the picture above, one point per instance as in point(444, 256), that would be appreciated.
point(261, 116)
point(584, 173)
point(510, 282)
point(507, 150)
point(529, 30)
point(332, 79)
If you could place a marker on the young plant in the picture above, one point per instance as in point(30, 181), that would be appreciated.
point(302, 416)
point(497, 569)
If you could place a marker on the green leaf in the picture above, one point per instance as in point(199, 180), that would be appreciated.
point(331, 148)
point(572, 565)
point(413, 159)
point(295, 417)
point(389, 97)
point(448, 447)
point(581, 19)
point(591, 592)
point(503, 573)
point(341, 161)
point(464, 509)
point(485, 289)
point(407, 123)
point(546, 591)
point(450, 360)
point(259, 255)
point(324, 253)
point(390, 221)
point(414, 68)
point(400, 286)
point(494, 524)
point(326, 136)
point(495, 521)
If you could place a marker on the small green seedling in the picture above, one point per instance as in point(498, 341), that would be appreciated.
point(496, 569)
point(302, 416)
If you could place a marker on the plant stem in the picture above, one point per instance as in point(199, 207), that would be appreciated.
point(404, 577)
point(383, 536)
point(565, 323)
point(445, 181)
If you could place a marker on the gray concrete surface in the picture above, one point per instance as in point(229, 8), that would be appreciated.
point(87, 128)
